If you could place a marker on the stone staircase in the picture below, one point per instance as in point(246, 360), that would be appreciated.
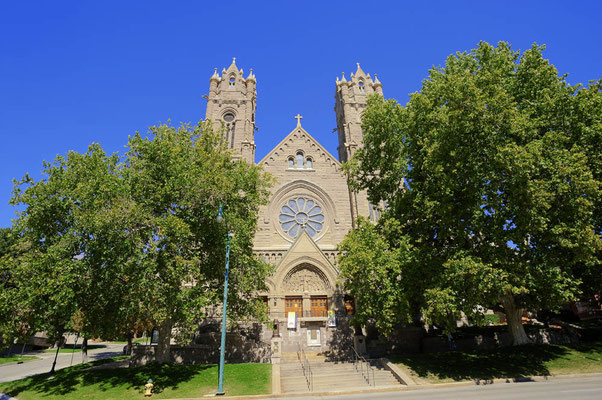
point(329, 375)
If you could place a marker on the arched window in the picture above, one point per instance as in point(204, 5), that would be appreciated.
point(232, 81)
point(308, 163)
point(229, 120)
point(299, 160)
point(361, 86)
point(291, 162)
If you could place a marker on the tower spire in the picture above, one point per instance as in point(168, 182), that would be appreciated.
point(231, 106)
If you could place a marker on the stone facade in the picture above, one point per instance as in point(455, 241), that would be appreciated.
point(311, 207)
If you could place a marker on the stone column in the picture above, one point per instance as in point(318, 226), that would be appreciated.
point(276, 343)
point(359, 342)
point(306, 304)
point(279, 307)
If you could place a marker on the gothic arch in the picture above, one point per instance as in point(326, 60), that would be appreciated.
point(321, 277)
point(228, 110)
point(305, 278)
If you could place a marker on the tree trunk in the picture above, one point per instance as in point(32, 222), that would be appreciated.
point(58, 348)
point(162, 352)
point(85, 351)
point(129, 349)
point(515, 325)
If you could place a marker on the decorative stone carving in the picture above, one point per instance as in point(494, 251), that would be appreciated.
point(305, 279)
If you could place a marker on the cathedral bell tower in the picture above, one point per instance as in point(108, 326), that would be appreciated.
point(350, 101)
point(232, 102)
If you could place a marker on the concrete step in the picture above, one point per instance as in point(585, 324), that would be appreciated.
point(326, 368)
point(339, 377)
point(324, 388)
point(329, 375)
point(314, 367)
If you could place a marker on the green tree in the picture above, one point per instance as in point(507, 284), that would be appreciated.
point(64, 266)
point(488, 172)
point(586, 119)
point(108, 242)
point(178, 177)
point(372, 270)
point(8, 240)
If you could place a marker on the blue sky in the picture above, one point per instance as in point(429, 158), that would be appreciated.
point(73, 73)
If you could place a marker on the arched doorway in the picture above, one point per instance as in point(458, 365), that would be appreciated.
point(307, 293)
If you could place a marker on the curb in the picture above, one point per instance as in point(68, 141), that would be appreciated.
point(403, 388)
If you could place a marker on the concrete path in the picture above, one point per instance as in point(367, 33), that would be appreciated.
point(555, 389)
point(11, 372)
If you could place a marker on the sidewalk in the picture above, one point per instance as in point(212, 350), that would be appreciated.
point(404, 388)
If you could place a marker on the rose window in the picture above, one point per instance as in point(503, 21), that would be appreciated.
point(301, 213)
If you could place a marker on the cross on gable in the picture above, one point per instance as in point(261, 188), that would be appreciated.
point(298, 117)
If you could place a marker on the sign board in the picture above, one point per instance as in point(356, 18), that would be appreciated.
point(292, 320)
point(332, 319)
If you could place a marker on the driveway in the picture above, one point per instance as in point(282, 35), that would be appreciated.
point(11, 372)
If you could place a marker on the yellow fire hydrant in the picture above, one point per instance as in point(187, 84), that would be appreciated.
point(149, 388)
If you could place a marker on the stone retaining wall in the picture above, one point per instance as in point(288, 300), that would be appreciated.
point(411, 340)
point(240, 348)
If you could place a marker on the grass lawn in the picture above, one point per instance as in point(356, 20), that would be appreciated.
point(139, 340)
point(68, 348)
point(507, 362)
point(14, 359)
point(170, 380)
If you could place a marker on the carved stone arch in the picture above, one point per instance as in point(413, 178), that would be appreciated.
point(228, 110)
point(321, 278)
point(270, 284)
point(305, 278)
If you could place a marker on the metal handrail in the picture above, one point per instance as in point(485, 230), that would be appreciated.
point(359, 362)
point(306, 367)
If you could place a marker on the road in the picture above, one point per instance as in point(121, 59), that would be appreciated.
point(10, 372)
point(555, 389)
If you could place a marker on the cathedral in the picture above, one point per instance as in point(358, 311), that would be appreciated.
point(311, 207)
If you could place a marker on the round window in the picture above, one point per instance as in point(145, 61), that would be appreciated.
point(300, 213)
point(229, 117)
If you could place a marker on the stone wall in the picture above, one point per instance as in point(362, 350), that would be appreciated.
point(402, 341)
point(411, 340)
point(202, 354)
point(336, 339)
point(242, 345)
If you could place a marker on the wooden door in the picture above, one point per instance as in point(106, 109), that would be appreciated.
point(319, 307)
point(293, 304)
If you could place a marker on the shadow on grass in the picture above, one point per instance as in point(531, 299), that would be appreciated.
point(516, 363)
point(71, 379)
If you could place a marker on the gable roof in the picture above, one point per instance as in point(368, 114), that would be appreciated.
point(290, 137)
point(304, 245)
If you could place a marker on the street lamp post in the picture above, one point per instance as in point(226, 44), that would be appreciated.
point(222, 353)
